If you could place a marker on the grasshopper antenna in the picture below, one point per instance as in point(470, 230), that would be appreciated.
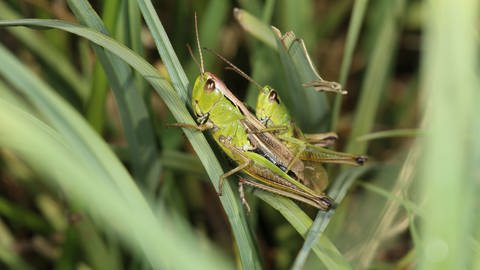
point(235, 68)
point(193, 56)
point(202, 69)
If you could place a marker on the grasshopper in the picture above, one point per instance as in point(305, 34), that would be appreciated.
point(264, 157)
point(274, 115)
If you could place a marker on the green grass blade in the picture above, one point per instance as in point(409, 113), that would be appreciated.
point(317, 104)
point(63, 118)
point(9, 95)
point(247, 250)
point(133, 33)
point(131, 219)
point(308, 108)
point(354, 26)
point(390, 134)
point(333, 20)
point(255, 27)
point(293, 95)
point(229, 200)
point(298, 16)
point(22, 217)
point(449, 172)
point(182, 162)
point(95, 107)
point(338, 192)
point(164, 47)
point(8, 255)
point(408, 205)
point(323, 248)
point(133, 111)
point(210, 23)
point(51, 56)
point(376, 75)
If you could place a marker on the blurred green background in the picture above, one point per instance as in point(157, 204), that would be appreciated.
point(91, 177)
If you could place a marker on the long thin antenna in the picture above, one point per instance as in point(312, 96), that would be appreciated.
point(193, 56)
point(202, 69)
point(235, 68)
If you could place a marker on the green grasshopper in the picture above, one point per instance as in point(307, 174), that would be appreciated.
point(275, 116)
point(273, 113)
point(260, 155)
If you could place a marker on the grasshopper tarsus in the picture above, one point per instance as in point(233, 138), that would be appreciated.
point(220, 186)
point(361, 160)
point(242, 194)
point(328, 202)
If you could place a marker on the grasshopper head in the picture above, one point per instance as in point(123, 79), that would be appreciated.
point(206, 93)
point(269, 107)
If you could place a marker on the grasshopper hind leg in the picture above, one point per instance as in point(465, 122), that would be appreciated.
point(230, 173)
point(244, 163)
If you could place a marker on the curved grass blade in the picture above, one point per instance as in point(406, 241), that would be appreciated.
point(66, 121)
point(308, 107)
point(44, 51)
point(338, 191)
point(247, 250)
point(30, 138)
point(391, 134)
point(354, 26)
point(323, 248)
point(133, 111)
point(255, 27)
point(376, 74)
point(229, 201)
point(164, 47)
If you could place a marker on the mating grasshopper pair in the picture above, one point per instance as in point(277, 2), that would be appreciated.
point(267, 147)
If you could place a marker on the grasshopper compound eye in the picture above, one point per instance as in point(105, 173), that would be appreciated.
point(273, 96)
point(209, 85)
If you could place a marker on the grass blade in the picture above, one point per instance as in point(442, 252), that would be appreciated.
point(44, 51)
point(355, 24)
point(130, 218)
point(323, 248)
point(309, 108)
point(390, 134)
point(255, 27)
point(229, 200)
point(247, 250)
point(164, 47)
point(132, 108)
point(449, 176)
point(338, 191)
point(376, 75)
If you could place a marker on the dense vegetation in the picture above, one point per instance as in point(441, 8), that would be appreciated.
point(91, 177)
